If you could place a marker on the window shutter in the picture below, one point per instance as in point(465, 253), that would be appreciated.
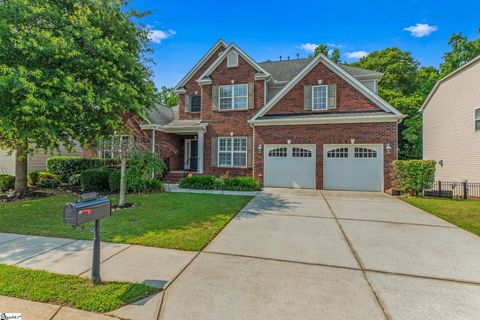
point(213, 148)
point(307, 97)
point(251, 90)
point(332, 96)
point(187, 103)
point(214, 97)
point(249, 151)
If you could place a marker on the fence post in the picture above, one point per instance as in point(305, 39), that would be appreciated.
point(465, 189)
point(439, 188)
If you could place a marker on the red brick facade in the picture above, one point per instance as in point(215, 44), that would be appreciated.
point(226, 123)
point(363, 133)
point(349, 99)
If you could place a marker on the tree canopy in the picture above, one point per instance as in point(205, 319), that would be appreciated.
point(463, 50)
point(68, 71)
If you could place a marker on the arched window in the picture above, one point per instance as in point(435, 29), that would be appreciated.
point(301, 153)
point(338, 153)
point(278, 152)
point(365, 153)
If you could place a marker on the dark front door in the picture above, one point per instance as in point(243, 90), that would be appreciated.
point(193, 155)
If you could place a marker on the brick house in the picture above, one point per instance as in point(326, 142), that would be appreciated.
point(304, 123)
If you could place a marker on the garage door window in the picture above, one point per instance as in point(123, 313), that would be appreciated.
point(338, 153)
point(365, 153)
point(232, 152)
point(278, 153)
point(301, 153)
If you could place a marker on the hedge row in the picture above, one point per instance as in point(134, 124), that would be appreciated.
point(43, 179)
point(212, 183)
point(65, 167)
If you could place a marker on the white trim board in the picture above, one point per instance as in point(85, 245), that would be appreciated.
point(339, 71)
point(200, 63)
point(224, 55)
point(327, 120)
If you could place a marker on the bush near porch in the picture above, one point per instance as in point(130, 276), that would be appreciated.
point(207, 182)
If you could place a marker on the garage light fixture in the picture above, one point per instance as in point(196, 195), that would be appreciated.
point(389, 148)
point(352, 141)
point(289, 141)
point(260, 148)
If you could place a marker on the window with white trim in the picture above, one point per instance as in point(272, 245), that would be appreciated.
point(365, 153)
point(232, 152)
point(301, 153)
point(477, 119)
point(338, 153)
point(233, 97)
point(278, 153)
point(320, 97)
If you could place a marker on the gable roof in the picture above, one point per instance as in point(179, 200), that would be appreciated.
point(231, 47)
point(339, 71)
point(286, 70)
point(200, 63)
point(451, 75)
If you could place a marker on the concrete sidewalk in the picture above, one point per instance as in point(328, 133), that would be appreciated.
point(155, 267)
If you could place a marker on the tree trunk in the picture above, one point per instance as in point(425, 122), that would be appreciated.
point(20, 171)
point(121, 199)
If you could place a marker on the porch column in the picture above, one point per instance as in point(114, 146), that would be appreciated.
point(200, 140)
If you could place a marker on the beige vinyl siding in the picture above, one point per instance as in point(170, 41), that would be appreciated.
point(370, 84)
point(36, 162)
point(449, 127)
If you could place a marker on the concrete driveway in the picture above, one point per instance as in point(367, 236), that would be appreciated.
point(298, 254)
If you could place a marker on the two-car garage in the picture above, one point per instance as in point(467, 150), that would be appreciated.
point(345, 167)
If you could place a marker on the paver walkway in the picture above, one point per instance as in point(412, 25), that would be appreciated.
point(299, 254)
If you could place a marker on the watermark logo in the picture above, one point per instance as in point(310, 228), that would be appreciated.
point(10, 316)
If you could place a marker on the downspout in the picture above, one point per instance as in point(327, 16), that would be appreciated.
point(153, 146)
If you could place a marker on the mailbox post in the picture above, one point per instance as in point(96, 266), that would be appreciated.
point(90, 208)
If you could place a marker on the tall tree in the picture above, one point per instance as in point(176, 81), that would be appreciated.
point(68, 71)
point(321, 48)
point(463, 50)
point(168, 97)
point(336, 55)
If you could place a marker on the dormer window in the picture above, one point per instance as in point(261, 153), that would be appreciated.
point(232, 59)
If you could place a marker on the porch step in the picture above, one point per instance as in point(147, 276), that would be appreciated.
point(174, 176)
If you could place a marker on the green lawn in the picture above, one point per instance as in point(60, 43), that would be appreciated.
point(463, 213)
point(183, 221)
point(72, 291)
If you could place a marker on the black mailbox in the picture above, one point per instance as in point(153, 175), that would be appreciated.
point(84, 211)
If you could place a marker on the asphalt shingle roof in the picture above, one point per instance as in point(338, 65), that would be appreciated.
point(286, 70)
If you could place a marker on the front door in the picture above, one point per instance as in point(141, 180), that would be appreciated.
point(191, 155)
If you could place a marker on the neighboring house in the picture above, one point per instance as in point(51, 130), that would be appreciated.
point(306, 123)
point(451, 125)
point(36, 162)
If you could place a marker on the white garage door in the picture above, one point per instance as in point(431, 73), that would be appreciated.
point(290, 166)
point(353, 167)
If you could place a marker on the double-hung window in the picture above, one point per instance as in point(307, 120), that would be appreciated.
point(477, 119)
point(232, 152)
point(233, 97)
point(320, 97)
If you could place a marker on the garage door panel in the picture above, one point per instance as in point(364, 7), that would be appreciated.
point(290, 166)
point(356, 167)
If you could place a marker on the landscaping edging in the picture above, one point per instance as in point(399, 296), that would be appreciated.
point(174, 187)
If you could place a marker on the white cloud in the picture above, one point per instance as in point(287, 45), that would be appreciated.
point(157, 36)
point(421, 30)
point(310, 47)
point(356, 54)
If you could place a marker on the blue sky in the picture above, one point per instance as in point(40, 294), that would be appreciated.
point(185, 30)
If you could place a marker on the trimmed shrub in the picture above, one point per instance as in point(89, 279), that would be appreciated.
point(154, 185)
point(65, 166)
point(43, 179)
point(95, 179)
point(413, 176)
point(114, 181)
point(223, 183)
point(74, 180)
point(198, 182)
point(6, 182)
point(141, 167)
point(238, 184)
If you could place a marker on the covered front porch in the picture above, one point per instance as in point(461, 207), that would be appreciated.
point(180, 143)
